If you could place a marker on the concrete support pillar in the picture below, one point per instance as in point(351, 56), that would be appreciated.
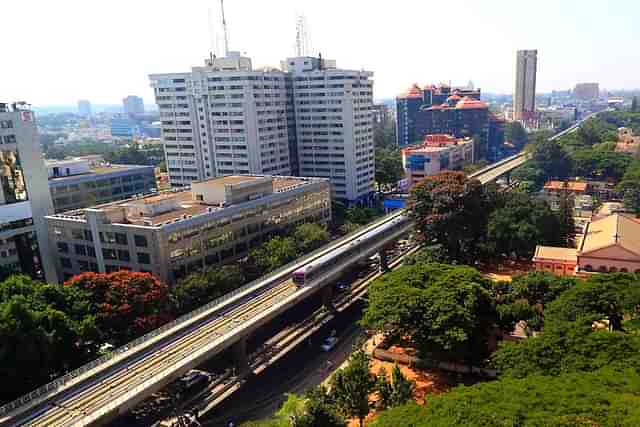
point(508, 177)
point(327, 297)
point(384, 265)
point(240, 360)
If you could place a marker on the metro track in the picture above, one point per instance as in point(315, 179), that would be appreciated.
point(153, 362)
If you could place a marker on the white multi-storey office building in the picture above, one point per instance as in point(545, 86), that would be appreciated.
point(308, 119)
point(334, 125)
point(24, 195)
point(223, 119)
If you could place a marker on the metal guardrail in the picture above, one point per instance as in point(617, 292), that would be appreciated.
point(267, 280)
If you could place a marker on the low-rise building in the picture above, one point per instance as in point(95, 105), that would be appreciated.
point(437, 153)
point(86, 181)
point(174, 233)
point(627, 141)
point(554, 191)
point(608, 245)
point(560, 261)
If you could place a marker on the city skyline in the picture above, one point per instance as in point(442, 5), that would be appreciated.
point(92, 60)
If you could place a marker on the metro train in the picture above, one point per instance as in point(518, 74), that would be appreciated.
point(305, 276)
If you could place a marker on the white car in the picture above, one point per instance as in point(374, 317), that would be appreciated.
point(329, 343)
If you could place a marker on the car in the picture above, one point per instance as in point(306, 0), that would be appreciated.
point(342, 287)
point(329, 343)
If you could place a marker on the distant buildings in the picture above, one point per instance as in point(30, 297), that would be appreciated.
point(124, 127)
point(84, 108)
point(443, 110)
point(312, 119)
point(133, 105)
point(24, 195)
point(174, 233)
point(437, 153)
point(524, 97)
point(84, 182)
point(587, 91)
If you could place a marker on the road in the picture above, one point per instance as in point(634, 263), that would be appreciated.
point(303, 368)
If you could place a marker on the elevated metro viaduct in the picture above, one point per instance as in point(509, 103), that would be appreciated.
point(110, 386)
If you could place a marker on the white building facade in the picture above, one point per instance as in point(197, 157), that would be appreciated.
point(222, 119)
point(334, 126)
point(24, 195)
point(308, 119)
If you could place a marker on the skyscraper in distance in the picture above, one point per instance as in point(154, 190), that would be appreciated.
point(133, 105)
point(524, 96)
point(84, 108)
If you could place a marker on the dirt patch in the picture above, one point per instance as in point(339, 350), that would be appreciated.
point(505, 270)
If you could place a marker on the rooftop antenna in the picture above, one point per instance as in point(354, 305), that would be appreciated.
point(224, 28)
point(303, 44)
point(212, 38)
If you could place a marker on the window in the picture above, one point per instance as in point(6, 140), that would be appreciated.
point(123, 255)
point(109, 254)
point(144, 258)
point(80, 249)
point(77, 234)
point(91, 251)
point(121, 238)
point(140, 241)
point(63, 247)
point(84, 265)
point(65, 262)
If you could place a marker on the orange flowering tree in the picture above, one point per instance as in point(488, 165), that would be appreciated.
point(126, 304)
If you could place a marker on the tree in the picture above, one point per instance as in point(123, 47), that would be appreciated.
point(602, 296)
point(629, 186)
point(352, 385)
point(564, 348)
point(309, 237)
point(567, 225)
point(389, 168)
point(421, 303)
point(515, 132)
point(45, 331)
point(127, 304)
point(551, 158)
point(274, 253)
point(596, 163)
point(450, 210)
point(520, 225)
point(606, 397)
point(197, 289)
point(634, 105)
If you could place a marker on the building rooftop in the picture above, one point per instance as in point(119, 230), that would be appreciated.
point(437, 142)
point(556, 254)
point(203, 197)
point(618, 229)
point(576, 186)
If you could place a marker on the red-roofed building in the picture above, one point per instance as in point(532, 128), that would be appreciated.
point(437, 152)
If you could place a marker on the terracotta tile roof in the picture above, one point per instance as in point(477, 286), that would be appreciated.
point(577, 186)
point(617, 229)
point(413, 92)
point(552, 253)
point(469, 103)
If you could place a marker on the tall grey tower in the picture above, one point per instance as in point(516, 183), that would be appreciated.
point(524, 97)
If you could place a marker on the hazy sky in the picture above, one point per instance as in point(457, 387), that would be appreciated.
point(56, 51)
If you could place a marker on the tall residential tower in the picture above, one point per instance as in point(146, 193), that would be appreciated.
point(24, 195)
point(223, 118)
point(524, 97)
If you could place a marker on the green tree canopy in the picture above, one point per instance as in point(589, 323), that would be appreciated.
point(606, 397)
point(521, 224)
point(197, 289)
point(389, 168)
point(452, 211)
point(447, 311)
point(274, 253)
point(515, 132)
point(352, 385)
point(552, 159)
point(45, 330)
point(310, 236)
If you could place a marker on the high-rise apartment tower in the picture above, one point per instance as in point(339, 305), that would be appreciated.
point(524, 96)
